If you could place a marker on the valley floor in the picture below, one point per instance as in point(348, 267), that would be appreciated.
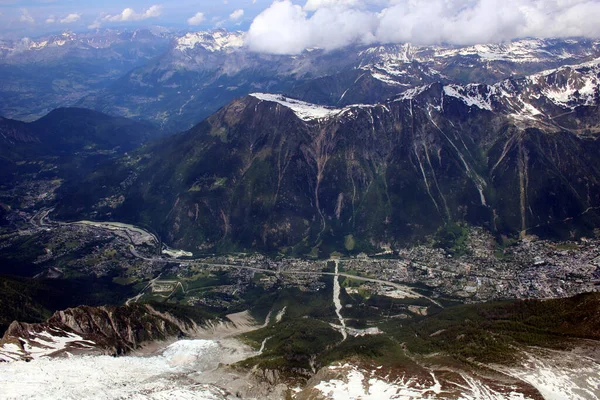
point(393, 326)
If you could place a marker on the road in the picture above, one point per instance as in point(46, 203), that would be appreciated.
point(402, 288)
point(39, 220)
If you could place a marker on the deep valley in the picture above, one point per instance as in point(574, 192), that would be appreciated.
point(182, 216)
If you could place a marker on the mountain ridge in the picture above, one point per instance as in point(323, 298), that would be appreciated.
point(268, 172)
point(203, 71)
point(115, 330)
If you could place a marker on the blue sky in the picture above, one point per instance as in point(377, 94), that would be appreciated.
point(289, 26)
point(35, 17)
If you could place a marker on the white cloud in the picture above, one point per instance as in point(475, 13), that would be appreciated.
point(281, 28)
point(312, 5)
point(197, 19)
point(51, 19)
point(26, 17)
point(236, 15)
point(286, 28)
point(129, 14)
point(70, 18)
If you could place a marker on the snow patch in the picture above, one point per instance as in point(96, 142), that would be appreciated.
point(471, 95)
point(385, 79)
point(561, 376)
point(367, 385)
point(582, 91)
point(364, 385)
point(305, 111)
point(413, 92)
point(526, 111)
point(477, 390)
point(521, 51)
point(42, 344)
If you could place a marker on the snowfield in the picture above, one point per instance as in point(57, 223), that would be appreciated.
point(43, 344)
point(190, 369)
point(215, 41)
point(305, 111)
point(469, 95)
point(556, 375)
point(365, 385)
point(168, 375)
point(561, 375)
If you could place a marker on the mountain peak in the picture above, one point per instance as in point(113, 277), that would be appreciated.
point(217, 40)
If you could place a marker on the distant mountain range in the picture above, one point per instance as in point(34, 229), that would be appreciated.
point(202, 72)
point(176, 79)
point(56, 71)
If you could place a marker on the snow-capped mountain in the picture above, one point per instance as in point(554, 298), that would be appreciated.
point(92, 330)
point(546, 99)
point(541, 97)
point(216, 41)
point(518, 51)
point(175, 80)
point(48, 47)
point(45, 73)
point(202, 71)
point(479, 63)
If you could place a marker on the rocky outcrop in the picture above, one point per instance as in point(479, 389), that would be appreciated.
point(104, 330)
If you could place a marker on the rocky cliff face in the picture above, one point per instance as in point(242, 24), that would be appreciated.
point(93, 330)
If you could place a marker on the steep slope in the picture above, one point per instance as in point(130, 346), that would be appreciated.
point(271, 173)
point(13, 131)
point(104, 330)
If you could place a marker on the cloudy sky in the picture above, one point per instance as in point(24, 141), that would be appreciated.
point(36, 17)
point(290, 26)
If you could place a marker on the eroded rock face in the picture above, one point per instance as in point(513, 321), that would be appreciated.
point(96, 330)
